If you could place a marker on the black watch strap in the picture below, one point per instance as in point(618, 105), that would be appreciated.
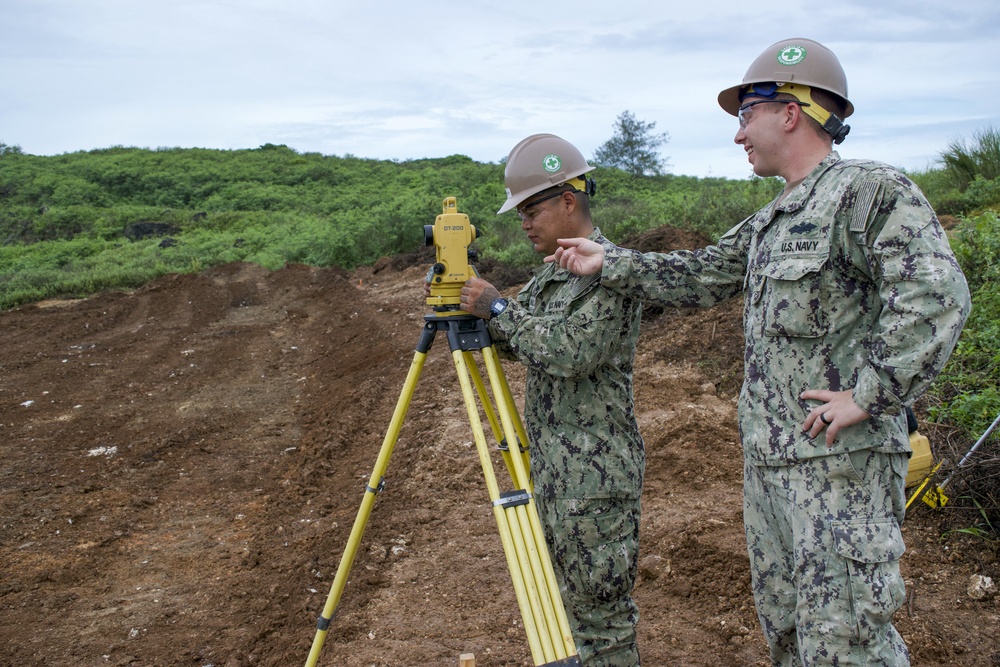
point(498, 306)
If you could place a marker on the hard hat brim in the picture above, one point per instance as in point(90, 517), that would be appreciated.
point(729, 100)
point(555, 180)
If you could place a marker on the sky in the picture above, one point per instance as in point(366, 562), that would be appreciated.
point(407, 80)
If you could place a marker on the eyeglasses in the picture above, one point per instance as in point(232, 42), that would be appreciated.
point(743, 113)
point(523, 213)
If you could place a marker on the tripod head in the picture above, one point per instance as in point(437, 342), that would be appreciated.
point(451, 235)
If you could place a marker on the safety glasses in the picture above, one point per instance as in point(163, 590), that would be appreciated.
point(743, 113)
point(522, 212)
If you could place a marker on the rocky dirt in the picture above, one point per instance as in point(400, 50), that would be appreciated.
point(182, 465)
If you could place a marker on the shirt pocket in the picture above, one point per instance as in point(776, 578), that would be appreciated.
point(791, 295)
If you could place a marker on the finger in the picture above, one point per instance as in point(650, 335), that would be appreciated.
point(813, 425)
point(816, 395)
point(819, 428)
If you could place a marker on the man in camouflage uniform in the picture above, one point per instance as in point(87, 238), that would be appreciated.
point(577, 340)
point(853, 303)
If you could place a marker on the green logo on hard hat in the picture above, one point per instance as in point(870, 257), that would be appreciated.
point(552, 163)
point(791, 55)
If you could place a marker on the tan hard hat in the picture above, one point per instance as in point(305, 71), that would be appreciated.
point(537, 163)
point(800, 61)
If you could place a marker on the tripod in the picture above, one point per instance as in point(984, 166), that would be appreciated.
point(537, 593)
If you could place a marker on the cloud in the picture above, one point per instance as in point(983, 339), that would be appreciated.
point(400, 80)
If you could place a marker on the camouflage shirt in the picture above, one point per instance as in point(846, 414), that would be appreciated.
point(577, 340)
point(848, 283)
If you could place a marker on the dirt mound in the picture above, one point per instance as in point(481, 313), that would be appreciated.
point(182, 466)
point(665, 239)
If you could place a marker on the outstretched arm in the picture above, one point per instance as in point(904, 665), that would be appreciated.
point(580, 256)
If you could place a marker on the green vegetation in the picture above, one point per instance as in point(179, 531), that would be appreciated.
point(971, 381)
point(968, 186)
point(78, 223)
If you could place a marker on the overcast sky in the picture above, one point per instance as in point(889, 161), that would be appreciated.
point(403, 80)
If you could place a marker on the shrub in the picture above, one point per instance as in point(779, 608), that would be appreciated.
point(964, 161)
point(968, 385)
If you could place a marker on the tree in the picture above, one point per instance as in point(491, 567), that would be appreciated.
point(7, 149)
point(633, 148)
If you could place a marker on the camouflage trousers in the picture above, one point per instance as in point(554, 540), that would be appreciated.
point(594, 544)
point(824, 542)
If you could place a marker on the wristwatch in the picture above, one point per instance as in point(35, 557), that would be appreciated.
point(498, 306)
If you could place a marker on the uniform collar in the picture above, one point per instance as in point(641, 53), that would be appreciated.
point(800, 194)
point(558, 273)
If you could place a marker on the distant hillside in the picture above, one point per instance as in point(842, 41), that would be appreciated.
point(81, 222)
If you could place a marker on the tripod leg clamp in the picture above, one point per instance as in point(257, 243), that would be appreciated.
point(512, 498)
point(505, 447)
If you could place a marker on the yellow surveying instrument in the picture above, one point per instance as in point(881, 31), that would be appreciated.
point(451, 235)
point(535, 587)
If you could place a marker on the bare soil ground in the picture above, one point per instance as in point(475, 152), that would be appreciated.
point(180, 467)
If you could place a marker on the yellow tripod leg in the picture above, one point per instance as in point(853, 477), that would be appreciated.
point(508, 447)
point(535, 562)
point(512, 423)
point(524, 589)
point(505, 398)
point(375, 483)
